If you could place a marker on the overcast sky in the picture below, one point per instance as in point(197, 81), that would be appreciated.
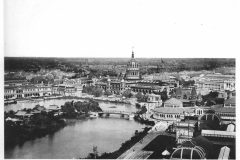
point(109, 28)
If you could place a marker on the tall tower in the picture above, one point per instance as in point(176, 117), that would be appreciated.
point(132, 71)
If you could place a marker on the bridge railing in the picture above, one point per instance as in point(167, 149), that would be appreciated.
point(118, 112)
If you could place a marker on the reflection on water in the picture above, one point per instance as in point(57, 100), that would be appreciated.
point(79, 136)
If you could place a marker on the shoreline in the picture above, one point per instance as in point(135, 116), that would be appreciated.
point(21, 134)
point(106, 99)
point(24, 133)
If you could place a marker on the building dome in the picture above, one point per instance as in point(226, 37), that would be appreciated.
point(188, 150)
point(132, 70)
point(173, 102)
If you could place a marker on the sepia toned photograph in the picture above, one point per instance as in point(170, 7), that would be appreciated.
point(136, 79)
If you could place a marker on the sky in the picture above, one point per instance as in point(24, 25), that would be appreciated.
point(111, 28)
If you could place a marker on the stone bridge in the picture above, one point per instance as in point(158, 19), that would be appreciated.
point(107, 113)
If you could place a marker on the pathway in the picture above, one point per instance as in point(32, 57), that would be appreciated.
point(136, 152)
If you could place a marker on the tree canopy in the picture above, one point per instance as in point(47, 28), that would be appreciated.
point(127, 93)
point(96, 91)
point(141, 97)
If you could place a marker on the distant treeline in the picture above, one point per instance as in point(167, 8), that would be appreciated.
point(158, 64)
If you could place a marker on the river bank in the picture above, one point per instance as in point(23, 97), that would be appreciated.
point(18, 134)
point(141, 120)
point(85, 97)
point(116, 100)
point(88, 128)
point(32, 123)
point(77, 139)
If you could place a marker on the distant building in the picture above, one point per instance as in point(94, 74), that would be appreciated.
point(187, 95)
point(149, 86)
point(15, 82)
point(85, 81)
point(218, 134)
point(114, 86)
point(184, 131)
point(164, 78)
point(173, 102)
point(168, 114)
point(231, 102)
point(27, 91)
point(153, 101)
point(216, 82)
point(227, 114)
point(67, 90)
point(132, 71)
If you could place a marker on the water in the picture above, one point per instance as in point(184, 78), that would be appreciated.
point(77, 139)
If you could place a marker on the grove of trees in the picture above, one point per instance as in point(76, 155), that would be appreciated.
point(141, 97)
point(93, 90)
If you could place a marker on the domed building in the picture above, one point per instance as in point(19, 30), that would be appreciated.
point(132, 71)
point(188, 150)
point(173, 102)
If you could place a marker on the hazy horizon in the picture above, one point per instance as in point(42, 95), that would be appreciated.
point(106, 28)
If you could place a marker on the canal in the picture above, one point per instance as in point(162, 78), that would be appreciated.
point(79, 136)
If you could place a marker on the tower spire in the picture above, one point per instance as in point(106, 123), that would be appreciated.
point(132, 52)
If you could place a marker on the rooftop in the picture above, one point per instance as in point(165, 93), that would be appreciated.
point(169, 110)
point(230, 101)
point(173, 101)
point(224, 109)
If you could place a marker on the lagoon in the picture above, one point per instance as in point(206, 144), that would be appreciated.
point(79, 136)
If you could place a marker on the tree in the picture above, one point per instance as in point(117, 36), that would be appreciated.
point(107, 92)
point(143, 110)
point(141, 97)
point(97, 92)
point(127, 93)
point(164, 95)
point(188, 83)
point(88, 89)
point(184, 96)
point(68, 109)
point(118, 92)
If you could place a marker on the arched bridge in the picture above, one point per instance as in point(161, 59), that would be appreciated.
point(107, 113)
